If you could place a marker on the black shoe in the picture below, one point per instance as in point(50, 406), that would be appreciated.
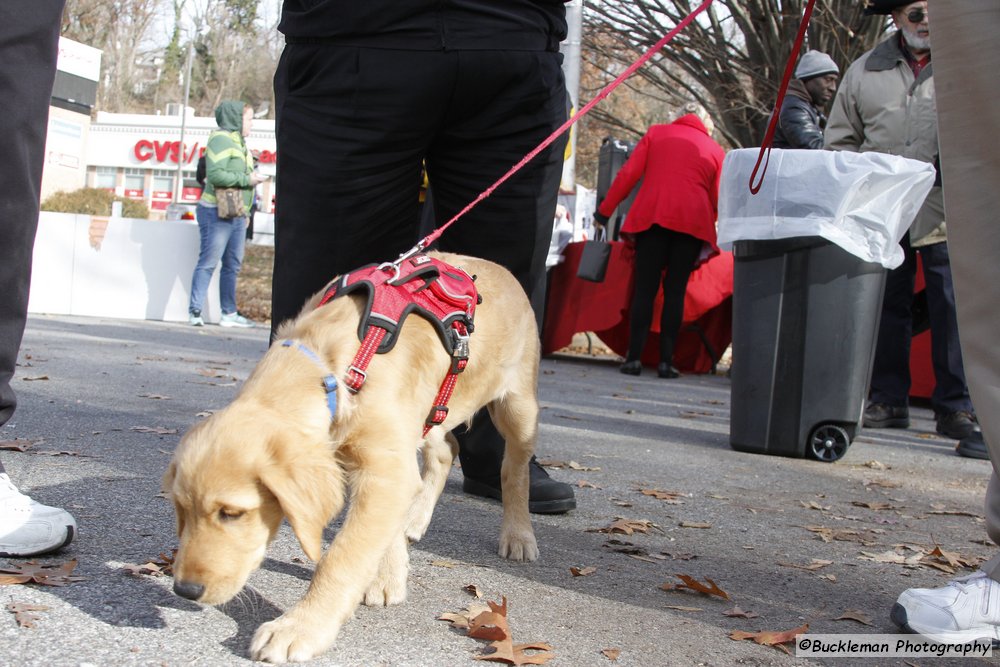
point(882, 415)
point(665, 370)
point(973, 447)
point(957, 425)
point(545, 495)
point(631, 367)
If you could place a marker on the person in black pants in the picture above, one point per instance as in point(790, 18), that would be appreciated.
point(368, 92)
point(29, 35)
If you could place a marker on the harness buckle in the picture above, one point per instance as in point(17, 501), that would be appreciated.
point(437, 415)
point(459, 350)
point(354, 385)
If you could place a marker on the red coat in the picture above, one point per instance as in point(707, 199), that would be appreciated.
point(680, 166)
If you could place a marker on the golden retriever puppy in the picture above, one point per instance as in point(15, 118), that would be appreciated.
point(275, 453)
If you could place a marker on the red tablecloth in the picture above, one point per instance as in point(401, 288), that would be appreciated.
point(576, 305)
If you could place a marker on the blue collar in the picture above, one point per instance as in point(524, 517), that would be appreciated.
point(329, 381)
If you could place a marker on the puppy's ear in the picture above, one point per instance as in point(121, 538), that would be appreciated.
point(310, 493)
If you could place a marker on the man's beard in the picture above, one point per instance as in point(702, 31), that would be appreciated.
point(915, 41)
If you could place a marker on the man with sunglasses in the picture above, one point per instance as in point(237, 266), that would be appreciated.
point(886, 104)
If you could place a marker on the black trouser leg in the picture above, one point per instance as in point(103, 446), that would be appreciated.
point(682, 253)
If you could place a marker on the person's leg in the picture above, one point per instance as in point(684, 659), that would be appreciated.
point(950, 400)
point(232, 261)
point(968, 103)
point(682, 253)
point(651, 247)
point(214, 235)
point(352, 127)
point(890, 383)
point(28, 47)
point(512, 227)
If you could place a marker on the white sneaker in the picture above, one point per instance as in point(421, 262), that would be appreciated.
point(28, 528)
point(967, 608)
point(195, 319)
point(235, 320)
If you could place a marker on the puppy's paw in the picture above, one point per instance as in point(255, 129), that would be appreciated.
point(288, 639)
point(518, 545)
point(418, 521)
point(387, 589)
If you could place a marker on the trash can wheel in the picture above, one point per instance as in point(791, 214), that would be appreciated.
point(828, 443)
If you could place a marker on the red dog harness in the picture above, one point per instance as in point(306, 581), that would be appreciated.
point(443, 294)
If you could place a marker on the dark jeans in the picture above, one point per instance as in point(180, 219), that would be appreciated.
point(28, 37)
point(354, 124)
point(891, 371)
point(657, 249)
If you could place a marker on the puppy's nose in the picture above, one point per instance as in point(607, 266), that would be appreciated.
point(189, 590)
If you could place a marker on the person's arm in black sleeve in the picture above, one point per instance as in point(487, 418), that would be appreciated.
point(799, 128)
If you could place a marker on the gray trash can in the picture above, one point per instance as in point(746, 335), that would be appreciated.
point(805, 321)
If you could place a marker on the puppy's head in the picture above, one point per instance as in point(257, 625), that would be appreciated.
point(232, 480)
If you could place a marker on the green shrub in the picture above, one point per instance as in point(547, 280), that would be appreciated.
point(93, 201)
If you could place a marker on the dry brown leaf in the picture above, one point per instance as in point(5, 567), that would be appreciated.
point(584, 484)
point(24, 613)
point(736, 612)
point(776, 639)
point(845, 534)
point(876, 465)
point(855, 615)
point(473, 590)
point(158, 430)
point(442, 563)
point(672, 497)
point(551, 463)
point(461, 620)
point(884, 483)
point(611, 653)
point(829, 577)
point(690, 583)
point(35, 378)
point(582, 571)
point(625, 526)
point(813, 505)
point(573, 465)
point(694, 524)
point(946, 512)
point(895, 556)
point(514, 654)
point(491, 624)
point(19, 444)
point(877, 506)
point(156, 397)
point(46, 575)
point(683, 608)
point(153, 567)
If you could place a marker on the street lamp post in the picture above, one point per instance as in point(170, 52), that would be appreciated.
point(187, 94)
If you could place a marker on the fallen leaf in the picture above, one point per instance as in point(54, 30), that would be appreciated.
point(153, 567)
point(693, 414)
point(682, 608)
point(671, 497)
point(442, 563)
point(473, 590)
point(573, 465)
point(876, 465)
point(584, 484)
point(693, 584)
point(491, 624)
point(776, 639)
point(877, 506)
point(35, 378)
point(673, 556)
point(829, 577)
point(736, 612)
point(813, 505)
point(582, 571)
point(514, 654)
point(46, 575)
point(19, 444)
point(551, 463)
point(462, 620)
point(158, 430)
point(611, 653)
point(694, 524)
point(625, 526)
point(158, 397)
point(845, 535)
point(24, 613)
point(884, 483)
point(855, 615)
point(945, 512)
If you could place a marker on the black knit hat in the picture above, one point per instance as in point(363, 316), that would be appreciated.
point(884, 6)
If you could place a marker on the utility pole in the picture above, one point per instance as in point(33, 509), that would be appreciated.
point(178, 182)
point(571, 50)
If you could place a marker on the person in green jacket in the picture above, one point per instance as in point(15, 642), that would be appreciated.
point(228, 164)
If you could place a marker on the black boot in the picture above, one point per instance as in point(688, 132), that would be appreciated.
point(481, 453)
point(545, 495)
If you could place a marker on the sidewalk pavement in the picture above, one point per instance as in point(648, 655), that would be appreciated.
point(104, 402)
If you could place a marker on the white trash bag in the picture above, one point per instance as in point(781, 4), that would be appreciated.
point(863, 202)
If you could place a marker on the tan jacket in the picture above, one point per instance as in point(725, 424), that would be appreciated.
point(881, 107)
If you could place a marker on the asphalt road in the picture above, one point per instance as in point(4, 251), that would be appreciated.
point(790, 541)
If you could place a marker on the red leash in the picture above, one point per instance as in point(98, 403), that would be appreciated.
point(433, 236)
point(765, 146)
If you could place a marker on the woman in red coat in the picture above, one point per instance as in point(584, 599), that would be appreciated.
point(671, 223)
